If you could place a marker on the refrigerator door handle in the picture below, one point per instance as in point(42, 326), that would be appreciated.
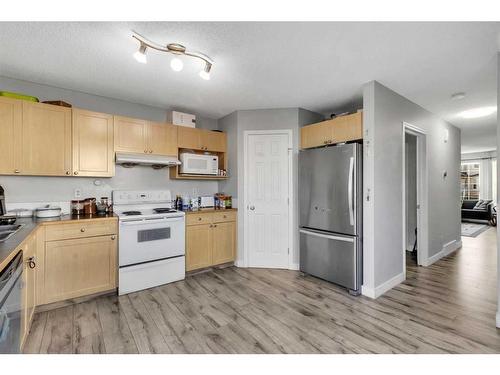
point(350, 191)
point(327, 236)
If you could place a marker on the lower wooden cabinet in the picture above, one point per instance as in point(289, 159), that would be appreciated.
point(28, 295)
point(210, 239)
point(78, 267)
point(198, 246)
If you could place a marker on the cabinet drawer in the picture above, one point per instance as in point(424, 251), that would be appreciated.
point(201, 218)
point(220, 217)
point(80, 229)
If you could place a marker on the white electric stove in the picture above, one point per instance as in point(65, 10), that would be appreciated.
point(151, 239)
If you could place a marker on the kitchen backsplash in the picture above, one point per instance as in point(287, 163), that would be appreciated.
point(23, 191)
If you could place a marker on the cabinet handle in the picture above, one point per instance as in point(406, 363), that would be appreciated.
point(75, 173)
point(82, 230)
point(17, 171)
point(215, 225)
point(199, 219)
point(68, 173)
point(113, 238)
point(31, 262)
point(150, 151)
point(145, 151)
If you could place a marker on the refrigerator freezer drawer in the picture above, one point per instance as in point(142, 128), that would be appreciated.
point(331, 257)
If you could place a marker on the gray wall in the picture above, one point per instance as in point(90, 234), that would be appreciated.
point(40, 189)
point(384, 113)
point(411, 189)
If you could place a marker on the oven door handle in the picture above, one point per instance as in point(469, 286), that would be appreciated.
point(151, 221)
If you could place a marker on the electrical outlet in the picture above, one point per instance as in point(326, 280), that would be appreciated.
point(78, 193)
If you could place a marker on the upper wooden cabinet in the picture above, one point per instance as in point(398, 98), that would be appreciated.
point(11, 120)
point(341, 129)
point(201, 139)
point(93, 150)
point(130, 134)
point(162, 138)
point(141, 136)
point(45, 140)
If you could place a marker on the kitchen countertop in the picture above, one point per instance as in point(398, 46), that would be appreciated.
point(203, 210)
point(8, 248)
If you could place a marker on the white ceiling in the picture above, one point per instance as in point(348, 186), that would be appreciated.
point(318, 66)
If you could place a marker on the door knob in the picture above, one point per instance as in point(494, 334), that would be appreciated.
point(68, 173)
point(252, 208)
point(16, 171)
point(75, 172)
point(150, 151)
point(82, 230)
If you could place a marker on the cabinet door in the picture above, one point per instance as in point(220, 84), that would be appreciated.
point(213, 141)
point(79, 267)
point(188, 138)
point(93, 150)
point(316, 135)
point(198, 246)
point(130, 134)
point(348, 128)
point(162, 139)
point(46, 140)
point(224, 242)
point(11, 116)
point(29, 286)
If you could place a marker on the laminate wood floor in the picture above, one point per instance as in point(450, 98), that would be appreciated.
point(448, 307)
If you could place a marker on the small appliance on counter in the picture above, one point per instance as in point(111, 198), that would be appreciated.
point(48, 211)
point(4, 218)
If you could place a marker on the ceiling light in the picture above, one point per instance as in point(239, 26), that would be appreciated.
point(458, 96)
point(176, 64)
point(205, 73)
point(478, 112)
point(140, 55)
point(177, 49)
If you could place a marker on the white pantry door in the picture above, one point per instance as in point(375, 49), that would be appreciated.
point(267, 200)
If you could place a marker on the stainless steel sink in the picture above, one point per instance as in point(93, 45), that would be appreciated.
point(8, 230)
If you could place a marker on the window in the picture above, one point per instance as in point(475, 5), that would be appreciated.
point(469, 180)
point(494, 180)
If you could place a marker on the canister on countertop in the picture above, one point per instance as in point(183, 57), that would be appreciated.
point(77, 207)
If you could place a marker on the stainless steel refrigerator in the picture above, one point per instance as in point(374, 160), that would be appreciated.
point(330, 210)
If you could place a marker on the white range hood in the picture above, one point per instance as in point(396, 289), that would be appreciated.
point(131, 159)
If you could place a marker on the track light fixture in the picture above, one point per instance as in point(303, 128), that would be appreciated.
point(177, 49)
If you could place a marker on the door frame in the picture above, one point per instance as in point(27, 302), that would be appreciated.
point(291, 206)
point(422, 194)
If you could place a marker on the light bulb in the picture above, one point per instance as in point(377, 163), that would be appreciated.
point(205, 75)
point(140, 55)
point(176, 64)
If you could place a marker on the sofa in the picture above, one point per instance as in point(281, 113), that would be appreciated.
point(477, 210)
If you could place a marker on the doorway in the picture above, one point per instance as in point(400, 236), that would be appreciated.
point(267, 198)
point(414, 196)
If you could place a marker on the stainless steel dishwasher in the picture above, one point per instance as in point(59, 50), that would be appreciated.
point(10, 305)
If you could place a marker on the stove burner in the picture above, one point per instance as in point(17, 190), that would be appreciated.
point(163, 210)
point(131, 213)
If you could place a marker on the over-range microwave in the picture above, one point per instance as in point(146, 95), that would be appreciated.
point(199, 164)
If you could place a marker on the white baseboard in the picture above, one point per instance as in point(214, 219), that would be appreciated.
point(447, 249)
point(381, 289)
point(498, 319)
point(294, 266)
point(239, 263)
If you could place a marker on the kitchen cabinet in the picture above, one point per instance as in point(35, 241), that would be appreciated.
point(130, 134)
point(141, 136)
point(341, 129)
point(162, 139)
point(210, 238)
point(198, 247)
point(11, 116)
point(78, 267)
point(201, 139)
point(45, 140)
point(93, 149)
point(28, 295)
point(224, 242)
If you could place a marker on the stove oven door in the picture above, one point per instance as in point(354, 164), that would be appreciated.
point(145, 240)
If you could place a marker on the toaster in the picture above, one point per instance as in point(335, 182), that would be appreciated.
point(207, 201)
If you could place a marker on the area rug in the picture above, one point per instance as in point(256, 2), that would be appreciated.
point(473, 229)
